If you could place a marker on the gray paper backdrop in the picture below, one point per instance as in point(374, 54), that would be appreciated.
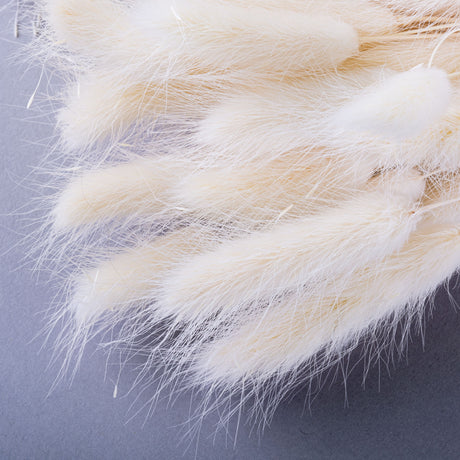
point(411, 413)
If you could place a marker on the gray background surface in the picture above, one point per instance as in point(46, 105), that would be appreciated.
point(413, 413)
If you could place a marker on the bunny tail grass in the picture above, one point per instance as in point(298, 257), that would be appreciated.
point(292, 333)
point(256, 186)
point(133, 276)
point(296, 183)
point(306, 252)
point(224, 35)
point(139, 187)
point(85, 24)
point(402, 107)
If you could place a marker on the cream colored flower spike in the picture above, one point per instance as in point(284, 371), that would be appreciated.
point(259, 184)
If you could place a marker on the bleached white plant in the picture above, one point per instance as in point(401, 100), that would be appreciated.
point(271, 181)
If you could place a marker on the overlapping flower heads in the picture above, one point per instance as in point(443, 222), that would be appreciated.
point(270, 181)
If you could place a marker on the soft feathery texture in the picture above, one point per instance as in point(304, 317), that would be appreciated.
point(306, 252)
point(264, 184)
point(396, 285)
point(397, 108)
point(122, 280)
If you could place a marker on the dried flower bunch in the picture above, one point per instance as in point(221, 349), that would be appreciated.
point(270, 182)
